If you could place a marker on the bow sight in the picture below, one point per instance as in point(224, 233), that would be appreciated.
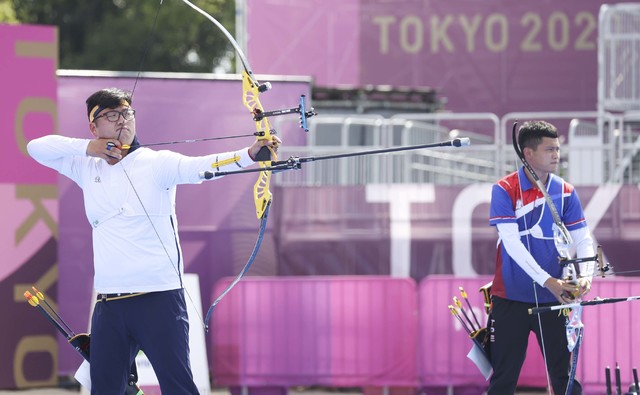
point(258, 114)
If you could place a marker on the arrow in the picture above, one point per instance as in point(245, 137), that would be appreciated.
point(40, 295)
point(593, 302)
point(464, 296)
point(295, 163)
point(459, 304)
point(455, 314)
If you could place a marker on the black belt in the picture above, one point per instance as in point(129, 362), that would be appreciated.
point(122, 295)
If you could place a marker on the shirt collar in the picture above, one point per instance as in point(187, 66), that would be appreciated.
point(525, 184)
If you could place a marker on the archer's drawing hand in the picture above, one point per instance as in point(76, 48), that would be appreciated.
point(106, 149)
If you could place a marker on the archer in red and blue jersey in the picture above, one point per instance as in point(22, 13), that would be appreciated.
point(528, 272)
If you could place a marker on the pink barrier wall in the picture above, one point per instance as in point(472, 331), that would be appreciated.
point(609, 335)
point(333, 331)
point(381, 331)
point(444, 344)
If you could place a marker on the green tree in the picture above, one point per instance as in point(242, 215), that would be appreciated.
point(114, 35)
point(7, 13)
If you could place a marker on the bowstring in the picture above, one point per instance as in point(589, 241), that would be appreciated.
point(535, 290)
point(147, 46)
point(146, 213)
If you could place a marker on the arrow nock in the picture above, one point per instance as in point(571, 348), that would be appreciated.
point(33, 301)
point(453, 310)
point(457, 302)
point(39, 294)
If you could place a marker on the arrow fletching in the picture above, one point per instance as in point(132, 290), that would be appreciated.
point(39, 294)
point(33, 301)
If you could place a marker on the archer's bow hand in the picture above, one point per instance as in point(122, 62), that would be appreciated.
point(564, 291)
point(272, 144)
point(584, 286)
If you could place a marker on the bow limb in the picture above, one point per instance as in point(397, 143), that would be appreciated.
point(575, 327)
point(574, 359)
point(251, 89)
point(244, 270)
point(234, 43)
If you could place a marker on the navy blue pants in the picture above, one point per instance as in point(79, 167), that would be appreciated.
point(509, 325)
point(155, 322)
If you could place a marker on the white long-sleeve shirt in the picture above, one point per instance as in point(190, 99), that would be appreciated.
point(128, 254)
point(510, 237)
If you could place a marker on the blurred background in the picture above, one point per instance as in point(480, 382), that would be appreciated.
point(361, 256)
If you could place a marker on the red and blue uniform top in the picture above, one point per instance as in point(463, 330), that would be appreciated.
point(514, 199)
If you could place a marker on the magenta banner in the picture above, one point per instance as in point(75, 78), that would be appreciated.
point(380, 331)
point(29, 231)
point(330, 331)
point(444, 343)
point(490, 56)
point(431, 230)
point(27, 76)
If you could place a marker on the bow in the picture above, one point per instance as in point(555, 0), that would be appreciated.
point(251, 90)
point(570, 269)
point(575, 327)
point(573, 311)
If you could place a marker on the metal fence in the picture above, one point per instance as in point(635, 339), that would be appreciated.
point(596, 148)
point(619, 57)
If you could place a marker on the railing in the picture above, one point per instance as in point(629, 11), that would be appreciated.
point(596, 147)
point(619, 57)
point(447, 165)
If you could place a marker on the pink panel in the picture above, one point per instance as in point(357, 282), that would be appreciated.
point(334, 331)
point(444, 344)
point(28, 106)
point(609, 335)
point(321, 39)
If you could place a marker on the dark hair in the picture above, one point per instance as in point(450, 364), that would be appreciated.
point(108, 98)
point(531, 133)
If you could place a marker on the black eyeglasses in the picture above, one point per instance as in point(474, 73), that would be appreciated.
point(113, 116)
